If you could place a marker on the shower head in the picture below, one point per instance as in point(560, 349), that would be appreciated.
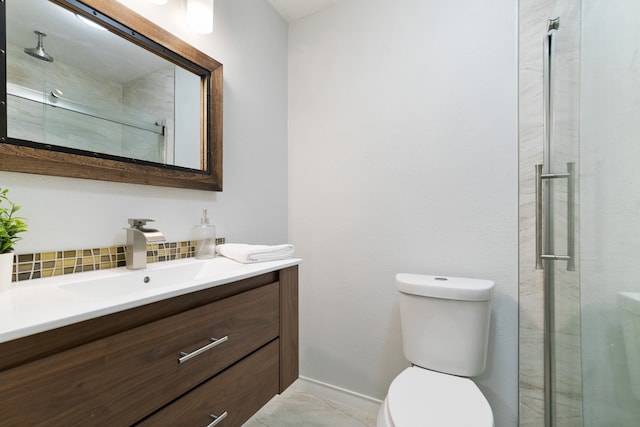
point(553, 24)
point(38, 51)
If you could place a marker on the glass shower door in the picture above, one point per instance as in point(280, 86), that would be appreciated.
point(610, 212)
point(593, 123)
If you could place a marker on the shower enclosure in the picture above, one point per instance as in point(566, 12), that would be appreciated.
point(587, 199)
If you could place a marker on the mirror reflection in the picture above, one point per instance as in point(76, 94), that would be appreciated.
point(76, 87)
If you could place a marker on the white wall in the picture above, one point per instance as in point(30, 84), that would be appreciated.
point(402, 158)
point(250, 39)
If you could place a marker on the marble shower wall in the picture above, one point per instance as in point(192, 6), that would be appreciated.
point(153, 94)
point(532, 24)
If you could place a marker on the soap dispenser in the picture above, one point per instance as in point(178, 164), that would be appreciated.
point(205, 238)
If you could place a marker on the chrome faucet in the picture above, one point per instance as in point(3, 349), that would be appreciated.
point(137, 238)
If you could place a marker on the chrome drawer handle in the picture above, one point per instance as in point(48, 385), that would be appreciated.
point(217, 419)
point(215, 342)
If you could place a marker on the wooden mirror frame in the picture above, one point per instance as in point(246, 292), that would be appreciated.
point(17, 158)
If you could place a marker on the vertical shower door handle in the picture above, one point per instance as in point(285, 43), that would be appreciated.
point(539, 209)
point(541, 212)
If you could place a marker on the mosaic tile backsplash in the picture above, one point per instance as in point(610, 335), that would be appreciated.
point(56, 263)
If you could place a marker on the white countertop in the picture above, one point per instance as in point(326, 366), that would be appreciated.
point(39, 305)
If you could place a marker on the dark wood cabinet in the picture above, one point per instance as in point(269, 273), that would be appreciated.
point(228, 349)
point(236, 392)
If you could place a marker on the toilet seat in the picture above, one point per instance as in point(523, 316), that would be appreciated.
point(419, 397)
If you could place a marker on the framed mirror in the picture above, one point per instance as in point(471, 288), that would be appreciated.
point(93, 90)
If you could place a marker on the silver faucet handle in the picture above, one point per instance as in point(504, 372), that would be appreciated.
point(139, 222)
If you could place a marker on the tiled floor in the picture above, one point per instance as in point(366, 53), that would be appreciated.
point(296, 408)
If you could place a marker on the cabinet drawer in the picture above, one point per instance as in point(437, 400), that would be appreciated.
point(123, 378)
point(240, 391)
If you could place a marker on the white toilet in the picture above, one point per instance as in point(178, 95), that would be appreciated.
point(445, 332)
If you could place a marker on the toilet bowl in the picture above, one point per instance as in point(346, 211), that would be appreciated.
point(419, 398)
point(445, 329)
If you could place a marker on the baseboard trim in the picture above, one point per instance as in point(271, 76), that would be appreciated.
point(323, 390)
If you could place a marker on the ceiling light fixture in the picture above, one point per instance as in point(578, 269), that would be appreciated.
point(90, 23)
point(200, 15)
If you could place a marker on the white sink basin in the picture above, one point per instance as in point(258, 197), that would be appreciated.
point(120, 282)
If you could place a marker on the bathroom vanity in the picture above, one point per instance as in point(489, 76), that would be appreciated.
point(210, 353)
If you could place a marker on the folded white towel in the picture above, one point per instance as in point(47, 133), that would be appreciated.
point(255, 253)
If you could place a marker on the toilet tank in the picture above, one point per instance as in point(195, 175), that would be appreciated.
point(445, 322)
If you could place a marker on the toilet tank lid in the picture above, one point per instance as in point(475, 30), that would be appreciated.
point(445, 287)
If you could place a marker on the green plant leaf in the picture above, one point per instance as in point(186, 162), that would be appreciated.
point(10, 225)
